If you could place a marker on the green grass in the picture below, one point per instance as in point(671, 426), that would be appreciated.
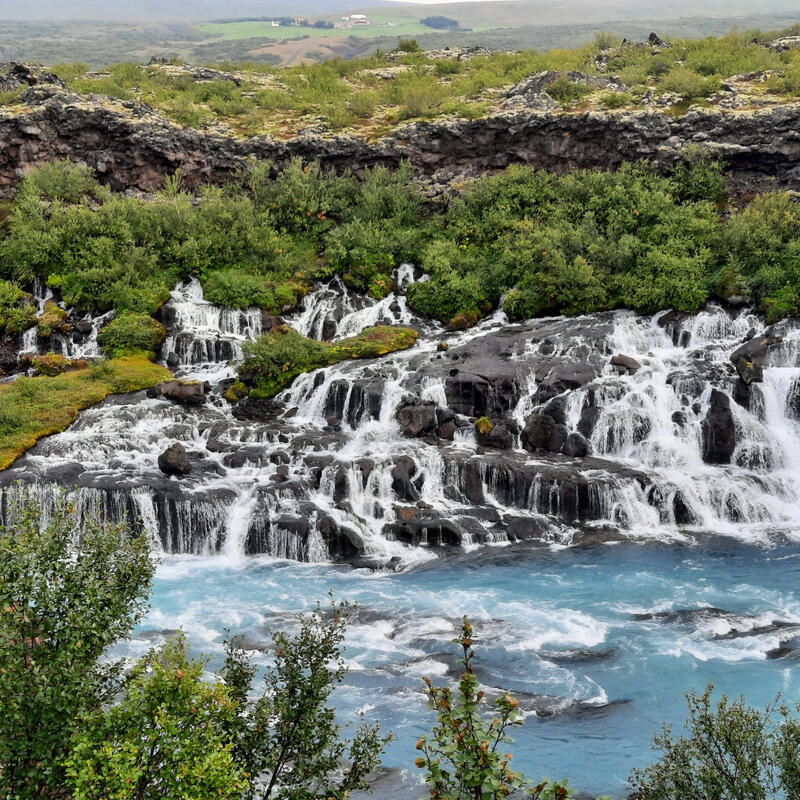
point(382, 25)
point(31, 408)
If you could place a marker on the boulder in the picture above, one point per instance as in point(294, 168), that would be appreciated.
point(557, 409)
point(626, 365)
point(752, 356)
point(403, 471)
point(500, 436)
point(417, 417)
point(185, 393)
point(542, 432)
point(588, 420)
point(576, 446)
point(175, 460)
point(719, 430)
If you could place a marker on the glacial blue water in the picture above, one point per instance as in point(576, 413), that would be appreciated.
point(559, 623)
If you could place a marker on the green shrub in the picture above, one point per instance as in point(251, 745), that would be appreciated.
point(131, 332)
point(613, 100)
point(566, 92)
point(167, 737)
point(729, 750)
point(408, 46)
point(287, 740)
point(61, 180)
point(688, 84)
point(17, 313)
point(65, 601)
point(275, 359)
point(236, 289)
point(466, 753)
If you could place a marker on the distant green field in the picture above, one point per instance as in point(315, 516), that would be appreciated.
point(382, 25)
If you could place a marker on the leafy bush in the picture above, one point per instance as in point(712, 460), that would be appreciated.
point(65, 600)
point(61, 180)
point(166, 739)
point(688, 84)
point(287, 740)
point(408, 46)
point(275, 359)
point(130, 332)
point(465, 756)
point(729, 751)
point(16, 313)
point(566, 92)
point(236, 289)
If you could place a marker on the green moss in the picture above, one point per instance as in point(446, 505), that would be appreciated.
point(275, 359)
point(31, 408)
point(131, 332)
point(52, 319)
point(236, 392)
point(484, 425)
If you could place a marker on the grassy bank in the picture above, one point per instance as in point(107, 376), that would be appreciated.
point(31, 408)
point(275, 359)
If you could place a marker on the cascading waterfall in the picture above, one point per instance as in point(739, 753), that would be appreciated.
point(331, 473)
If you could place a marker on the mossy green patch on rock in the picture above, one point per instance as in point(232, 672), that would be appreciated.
point(275, 359)
point(31, 408)
point(131, 332)
point(52, 319)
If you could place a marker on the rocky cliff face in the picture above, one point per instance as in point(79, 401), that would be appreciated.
point(132, 147)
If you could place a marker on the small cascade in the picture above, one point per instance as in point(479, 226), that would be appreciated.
point(203, 337)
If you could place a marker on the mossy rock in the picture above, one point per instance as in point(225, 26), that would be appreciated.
point(275, 359)
point(131, 333)
point(53, 318)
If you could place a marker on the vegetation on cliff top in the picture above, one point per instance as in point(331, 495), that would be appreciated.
point(31, 408)
point(372, 94)
point(275, 359)
point(586, 241)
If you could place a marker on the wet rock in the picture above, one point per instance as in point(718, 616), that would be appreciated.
point(185, 393)
point(499, 436)
point(680, 418)
point(175, 460)
point(719, 430)
point(403, 471)
point(752, 356)
point(417, 417)
point(557, 409)
point(588, 420)
point(576, 446)
point(542, 432)
point(626, 365)
point(742, 393)
point(442, 347)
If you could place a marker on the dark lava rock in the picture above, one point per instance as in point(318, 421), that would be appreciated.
point(742, 393)
point(501, 435)
point(403, 471)
point(751, 357)
point(542, 432)
point(417, 417)
point(719, 430)
point(557, 409)
point(588, 420)
point(186, 393)
point(625, 365)
point(679, 418)
point(576, 446)
point(175, 461)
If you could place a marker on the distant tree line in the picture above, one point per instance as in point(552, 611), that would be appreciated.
point(441, 23)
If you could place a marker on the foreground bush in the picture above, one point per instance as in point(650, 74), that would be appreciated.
point(69, 589)
point(166, 738)
point(464, 757)
point(730, 751)
point(287, 740)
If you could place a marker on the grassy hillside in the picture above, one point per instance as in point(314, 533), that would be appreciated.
point(371, 95)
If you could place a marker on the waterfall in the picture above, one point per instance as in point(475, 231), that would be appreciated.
point(332, 473)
